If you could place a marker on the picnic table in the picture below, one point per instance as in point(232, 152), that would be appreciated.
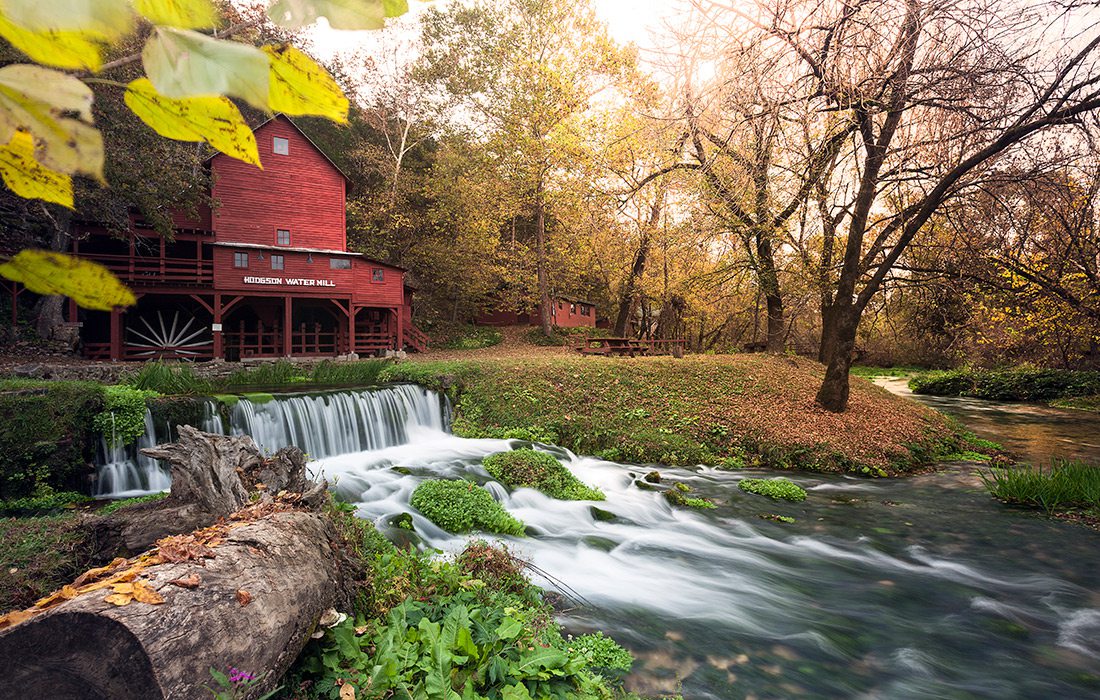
point(618, 347)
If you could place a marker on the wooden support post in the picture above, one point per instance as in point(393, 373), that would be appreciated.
point(351, 329)
point(400, 344)
point(288, 315)
point(116, 335)
point(216, 329)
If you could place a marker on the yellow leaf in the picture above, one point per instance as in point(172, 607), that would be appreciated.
point(89, 284)
point(119, 599)
point(215, 120)
point(182, 63)
point(144, 594)
point(124, 588)
point(57, 109)
point(63, 49)
point(347, 691)
point(298, 86)
point(188, 14)
point(102, 18)
point(28, 178)
point(341, 14)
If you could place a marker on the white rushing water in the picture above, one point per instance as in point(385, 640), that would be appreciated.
point(321, 425)
point(881, 589)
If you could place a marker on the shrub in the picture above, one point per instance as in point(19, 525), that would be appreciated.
point(276, 374)
point(42, 502)
point(541, 471)
point(122, 419)
point(472, 339)
point(1063, 485)
point(462, 506)
point(127, 502)
point(777, 489)
point(952, 382)
point(602, 653)
point(535, 336)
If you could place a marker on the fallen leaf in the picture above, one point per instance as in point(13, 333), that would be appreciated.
point(361, 630)
point(119, 599)
point(347, 692)
point(191, 581)
point(123, 588)
point(144, 593)
point(243, 597)
point(92, 574)
point(14, 618)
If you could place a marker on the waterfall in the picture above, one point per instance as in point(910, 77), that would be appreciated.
point(322, 425)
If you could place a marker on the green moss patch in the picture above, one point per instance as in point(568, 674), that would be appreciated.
point(778, 488)
point(541, 471)
point(39, 555)
point(463, 506)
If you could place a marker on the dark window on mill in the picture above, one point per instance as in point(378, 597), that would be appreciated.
point(377, 275)
point(339, 264)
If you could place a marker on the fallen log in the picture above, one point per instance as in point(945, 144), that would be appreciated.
point(212, 476)
point(245, 592)
point(250, 602)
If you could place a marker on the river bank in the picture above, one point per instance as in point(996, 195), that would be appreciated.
point(728, 410)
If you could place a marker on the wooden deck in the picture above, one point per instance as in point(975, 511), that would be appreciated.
point(630, 347)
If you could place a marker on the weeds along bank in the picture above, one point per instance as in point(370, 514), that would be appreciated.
point(1059, 387)
point(727, 410)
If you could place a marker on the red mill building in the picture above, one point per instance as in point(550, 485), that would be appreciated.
point(267, 273)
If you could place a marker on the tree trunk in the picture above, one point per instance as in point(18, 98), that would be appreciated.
point(839, 337)
point(777, 330)
point(541, 263)
point(629, 297)
point(50, 320)
point(253, 606)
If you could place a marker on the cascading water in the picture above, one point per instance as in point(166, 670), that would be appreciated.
point(320, 424)
point(880, 589)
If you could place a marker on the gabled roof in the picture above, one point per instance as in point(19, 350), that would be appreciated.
point(297, 128)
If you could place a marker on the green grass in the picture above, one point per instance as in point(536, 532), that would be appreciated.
point(114, 506)
point(164, 378)
point(541, 471)
point(1081, 403)
point(359, 373)
point(463, 506)
point(869, 372)
point(39, 555)
point(268, 376)
point(777, 489)
point(42, 503)
point(1061, 486)
point(965, 456)
point(471, 338)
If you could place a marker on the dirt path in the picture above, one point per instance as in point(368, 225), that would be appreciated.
point(513, 345)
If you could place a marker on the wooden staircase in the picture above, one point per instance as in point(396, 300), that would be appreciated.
point(415, 339)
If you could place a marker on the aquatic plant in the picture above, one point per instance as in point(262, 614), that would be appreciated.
point(122, 419)
point(539, 470)
point(778, 488)
point(678, 496)
point(463, 506)
point(1062, 485)
point(602, 653)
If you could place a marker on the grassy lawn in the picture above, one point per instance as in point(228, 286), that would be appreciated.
point(731, 410)
point(38, 555)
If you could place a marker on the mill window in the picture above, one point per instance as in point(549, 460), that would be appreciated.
point(240, 259)
point(282, 237)
point(277, 262)
point(281, 146)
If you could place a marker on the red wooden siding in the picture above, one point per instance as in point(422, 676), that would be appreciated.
point(302, 192)
point(354, 282)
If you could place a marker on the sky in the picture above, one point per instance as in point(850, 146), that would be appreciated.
point(629, 21)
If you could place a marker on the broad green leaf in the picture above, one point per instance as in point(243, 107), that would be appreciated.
point(182, 63)
point(509, 628)
point(40, 101)
point(188, 14)
point(516, 691)
point(215, 120)
point(298, 86)
point(89, 284)
point(64, 49)
point(104, 19)
point(26, 177)
point(341, 14)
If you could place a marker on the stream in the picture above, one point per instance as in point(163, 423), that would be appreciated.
point(916, 588)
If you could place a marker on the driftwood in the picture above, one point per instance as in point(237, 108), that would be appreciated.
point(253, 607)
point(245, 592)
point(212, 476)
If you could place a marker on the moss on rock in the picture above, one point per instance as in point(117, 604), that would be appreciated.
point(463, 506)
point(778, 488)
point(541, 471)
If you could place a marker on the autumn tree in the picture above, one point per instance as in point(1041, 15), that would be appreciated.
point(525, 72)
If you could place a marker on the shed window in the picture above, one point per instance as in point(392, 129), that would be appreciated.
point(586, 310)
point(377, 275)
point(572, 308)
point(281, 146)
point(282, 237)
point(339, 264)
point(240, 259)
point(277, 262)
